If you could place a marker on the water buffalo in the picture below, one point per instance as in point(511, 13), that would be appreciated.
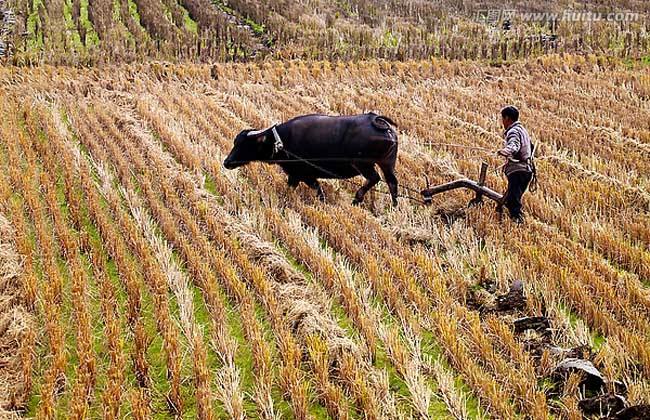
point(312, 147)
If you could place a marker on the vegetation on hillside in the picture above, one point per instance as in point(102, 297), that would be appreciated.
point(80, 32)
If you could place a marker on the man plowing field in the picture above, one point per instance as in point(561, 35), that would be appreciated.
point(311, 147)
point(519, 167)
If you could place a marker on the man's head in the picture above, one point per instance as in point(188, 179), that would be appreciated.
point(509, 115)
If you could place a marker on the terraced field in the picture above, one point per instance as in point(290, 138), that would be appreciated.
point(83, 32)
point(142, 279)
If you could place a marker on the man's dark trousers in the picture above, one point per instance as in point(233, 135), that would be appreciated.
point(517, 185)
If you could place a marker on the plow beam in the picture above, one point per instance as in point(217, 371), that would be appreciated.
point(478, 187)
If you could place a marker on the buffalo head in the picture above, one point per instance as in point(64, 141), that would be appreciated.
point(250, 146)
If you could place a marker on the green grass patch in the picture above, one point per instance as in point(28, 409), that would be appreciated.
point(133, 11)
point(41, 340)
point(430, 349)
point(92, 39)
point(395, 384)
point(258, 28)
point(190, 24)
point(596, 337)
point(41, 347)
point(632, 63)
point(160, 385)
point(167, 13)
point(245, 360)
point(69, 324)
point(116, 11)
point(645, 60)
point(210, 185)
point(41, 351)
point(243, 357)
point(35, 39)
point(117, 17)
point(438, 409)
point(224, 7)
point(113, 276)
point(156, 354)
point(98, 326)
point(67, 317)
point(71, 28)
point(203, 319)
point(135, 15)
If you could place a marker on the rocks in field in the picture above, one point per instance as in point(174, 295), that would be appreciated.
point(539, 324)
point(514, 299)
point(580, 352)
point(489, 285)
point(592, 379)
point(637, 412)
point(619, 387)
point(602, 405)
point(481, 300)
point(484, 299)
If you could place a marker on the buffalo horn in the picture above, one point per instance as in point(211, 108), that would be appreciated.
point(258, 132)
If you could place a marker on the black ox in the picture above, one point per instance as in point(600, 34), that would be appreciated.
point(312, 147)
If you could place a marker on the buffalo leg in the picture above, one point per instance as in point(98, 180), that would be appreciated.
point(315, 185)
point(372, 178)
point(391, 180)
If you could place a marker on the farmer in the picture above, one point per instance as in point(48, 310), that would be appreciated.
point(519, 166)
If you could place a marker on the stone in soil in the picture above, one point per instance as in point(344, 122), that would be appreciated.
point(514, 299)
point(580, 352)
point(602, 405)
point(592, 379)
point(539, 324)
point(637, 412)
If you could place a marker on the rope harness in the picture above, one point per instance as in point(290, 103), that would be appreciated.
point(277, 145)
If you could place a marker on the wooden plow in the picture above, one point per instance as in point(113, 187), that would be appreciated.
point(479, 187)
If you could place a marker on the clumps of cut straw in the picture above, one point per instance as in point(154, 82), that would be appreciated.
point(303, 306)
point(15, 324)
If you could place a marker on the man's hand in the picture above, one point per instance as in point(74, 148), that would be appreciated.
point(502, 153)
